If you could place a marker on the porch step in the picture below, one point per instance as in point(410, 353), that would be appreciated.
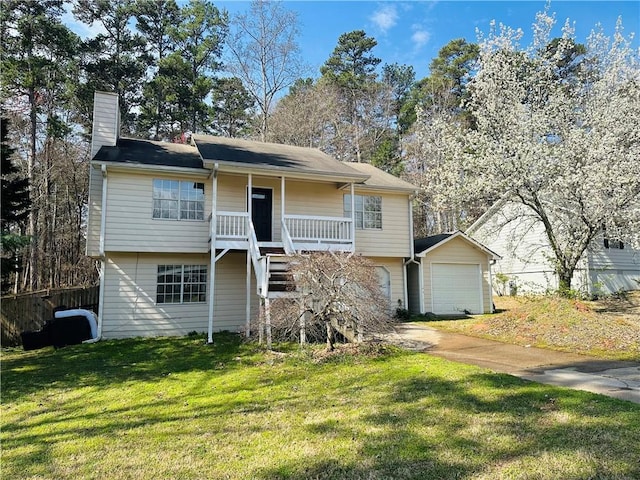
point(271, 251)
point(280, 279)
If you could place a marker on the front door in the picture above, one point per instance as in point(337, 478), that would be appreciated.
point(261, 213)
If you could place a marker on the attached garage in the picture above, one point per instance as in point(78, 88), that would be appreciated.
point(450, 275)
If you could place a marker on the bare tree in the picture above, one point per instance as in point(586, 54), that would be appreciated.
point(264, 53)
point(336, 293)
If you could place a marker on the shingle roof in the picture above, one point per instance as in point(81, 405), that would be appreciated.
point(148, 152)
point(381, 179)
point(270, 156)
point(421, 244)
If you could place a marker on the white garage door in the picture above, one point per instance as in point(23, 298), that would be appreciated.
point(456, 288)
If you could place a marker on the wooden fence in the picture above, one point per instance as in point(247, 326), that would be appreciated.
point(29, 311)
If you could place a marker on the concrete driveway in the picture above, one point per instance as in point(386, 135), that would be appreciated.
point(616, 379)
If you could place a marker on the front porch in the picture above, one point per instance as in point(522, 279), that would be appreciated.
point(236, 231)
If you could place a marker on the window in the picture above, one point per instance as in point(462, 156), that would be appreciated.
point(613, 244)
point(368, 211)
point(181, 284)
point(175, 200)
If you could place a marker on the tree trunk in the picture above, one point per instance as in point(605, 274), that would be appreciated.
point(565, 275)
point(33, 247)
point(331, 337)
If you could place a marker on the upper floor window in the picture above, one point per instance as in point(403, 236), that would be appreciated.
point(178, 200)
point(181, 284)
point(613, 243)
point(368, 211)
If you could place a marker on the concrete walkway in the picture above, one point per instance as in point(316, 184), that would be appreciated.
point(616, 379)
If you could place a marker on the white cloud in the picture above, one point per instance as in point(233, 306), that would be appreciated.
point(79, 28)
point(420, 38)
point(385, 17)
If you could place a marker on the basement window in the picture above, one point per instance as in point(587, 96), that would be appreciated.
point(178, 200)
point(181, 284)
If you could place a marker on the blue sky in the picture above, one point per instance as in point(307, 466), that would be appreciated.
point(412, 32)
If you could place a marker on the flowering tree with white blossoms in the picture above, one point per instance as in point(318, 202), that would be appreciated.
point(558, 131)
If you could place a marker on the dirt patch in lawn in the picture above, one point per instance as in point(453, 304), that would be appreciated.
point(608, 328)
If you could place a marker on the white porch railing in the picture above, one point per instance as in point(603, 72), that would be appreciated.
point(232, 225)
point(260, 266)
point(298, 231)
point(313, 229)
point(287, 242)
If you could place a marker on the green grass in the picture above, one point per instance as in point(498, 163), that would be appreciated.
point(177, 408)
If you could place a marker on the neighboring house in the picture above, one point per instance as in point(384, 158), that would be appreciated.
point(513, 231)
point(451, 275)
point(189, 236)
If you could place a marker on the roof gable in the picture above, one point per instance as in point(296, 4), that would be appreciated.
point(425, 245)
point(381, 180)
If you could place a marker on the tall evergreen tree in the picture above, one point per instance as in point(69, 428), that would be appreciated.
point(351, 67)
point(36, 60)
point(155, 21)
point(188, 72)
point(114, 61)
point(14, 207)
point(232, 106)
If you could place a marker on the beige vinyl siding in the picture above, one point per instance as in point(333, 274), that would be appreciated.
point(106, 121)
point(130, 307)
point(457, 251)
point(395, 267)
point(94, 217)
point(395, 237)
point(230, 293)
point(314, 199)
point(131, 228)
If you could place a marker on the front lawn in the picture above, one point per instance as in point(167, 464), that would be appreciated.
point(177, 408)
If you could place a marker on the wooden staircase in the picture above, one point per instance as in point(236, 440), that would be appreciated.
point(280, 281)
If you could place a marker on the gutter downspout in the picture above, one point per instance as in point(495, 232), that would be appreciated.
point(103, 262)
point(212, 269)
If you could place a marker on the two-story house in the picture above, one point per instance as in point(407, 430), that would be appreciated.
point(188, 234)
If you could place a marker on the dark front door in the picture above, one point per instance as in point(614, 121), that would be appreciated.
point(261, 208)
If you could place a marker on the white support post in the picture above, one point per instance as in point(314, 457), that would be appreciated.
point(247, 332)
point(353, 216)
point(267, 320)
point(250, 196)
point(303, 325)
point(212, 266)
point(261, 322)
point(282, 201)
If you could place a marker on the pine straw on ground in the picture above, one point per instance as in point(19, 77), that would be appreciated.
point(608, 328)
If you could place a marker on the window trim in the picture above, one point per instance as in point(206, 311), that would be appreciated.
point(182, 283)
point(178, 200)
point(346, 205)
